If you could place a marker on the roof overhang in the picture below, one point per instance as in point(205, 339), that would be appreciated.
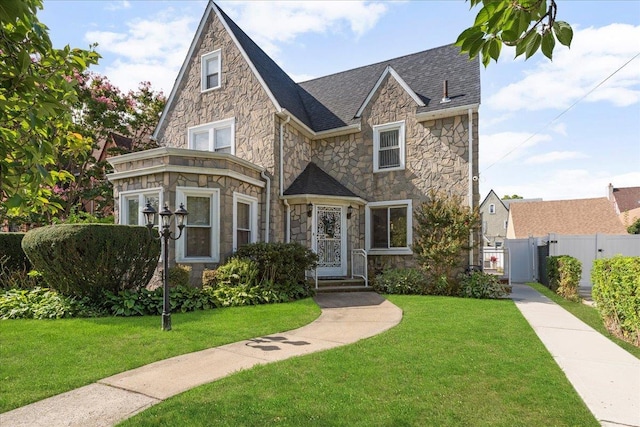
point(303, 199)
point(310, 133)
point(446, 112)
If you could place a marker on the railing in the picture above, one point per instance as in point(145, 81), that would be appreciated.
point(359, 265)
point(312, 274)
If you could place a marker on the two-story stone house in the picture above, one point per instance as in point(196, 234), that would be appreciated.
point(338, 163)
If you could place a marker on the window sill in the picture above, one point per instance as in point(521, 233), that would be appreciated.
point(399, 168)
point(197, 260)
point(211, 89)
point(398, 251)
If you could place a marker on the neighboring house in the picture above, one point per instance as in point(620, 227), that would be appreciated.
point(626, 202)
point(494, 214)
point(113, 142)
point(338, 163)
point(570, 217)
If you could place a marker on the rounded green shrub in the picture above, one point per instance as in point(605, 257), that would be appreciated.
point(87, 259)
point(402, 281)
point(482, 286)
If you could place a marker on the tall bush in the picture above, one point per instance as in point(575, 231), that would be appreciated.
point(442, 226)
point(616, 292)
point(281, 266)
point(564, 276)
point(85, 259)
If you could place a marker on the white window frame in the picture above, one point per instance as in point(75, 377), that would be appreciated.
point(406, 203)
point(203, 70)
point(214, 196)
point(210, 129)
point(492, 209)
point(400, 126)
point(141, 194)
point(253, 217)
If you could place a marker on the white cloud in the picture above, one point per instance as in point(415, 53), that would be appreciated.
point(555, 156)
point(274, 22)
point(595, 54)
point(560, 128)
point(507, 147)
point(118, 5)
point(144, 51)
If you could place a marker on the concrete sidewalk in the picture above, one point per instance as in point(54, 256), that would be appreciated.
point(345, 318)
point(604, 375)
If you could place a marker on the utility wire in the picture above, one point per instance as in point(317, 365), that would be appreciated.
point(562, 113)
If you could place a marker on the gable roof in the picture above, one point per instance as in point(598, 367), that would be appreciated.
point(486, 199)
point(627, 198)
point(314, 180)
point(334, 101)
point(576, 217)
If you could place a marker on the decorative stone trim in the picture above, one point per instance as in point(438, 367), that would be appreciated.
point(185, 169)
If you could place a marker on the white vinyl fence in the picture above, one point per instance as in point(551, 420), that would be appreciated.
point(586, 248)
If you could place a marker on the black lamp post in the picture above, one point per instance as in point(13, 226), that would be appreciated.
point(165, 233)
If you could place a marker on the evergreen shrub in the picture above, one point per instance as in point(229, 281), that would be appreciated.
point(87, 259)
point(401, 281)
point(482, 285)
point(616, 292)
point(564, 276)
point(11, 252)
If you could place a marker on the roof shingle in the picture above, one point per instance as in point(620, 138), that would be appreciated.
point(574, 217)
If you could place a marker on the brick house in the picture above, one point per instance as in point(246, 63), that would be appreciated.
point(337, 163)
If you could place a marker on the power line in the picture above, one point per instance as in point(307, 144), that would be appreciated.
point(562, 113)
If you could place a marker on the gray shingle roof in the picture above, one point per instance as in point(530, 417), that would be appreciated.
point(313, 180)
point(332, 101)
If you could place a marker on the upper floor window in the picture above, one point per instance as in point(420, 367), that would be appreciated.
point(132, 203)
point(388, 147)
point(216, 136)
point(211, 70)
point(492, 208)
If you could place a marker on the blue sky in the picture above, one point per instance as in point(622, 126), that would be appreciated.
point(556, 130)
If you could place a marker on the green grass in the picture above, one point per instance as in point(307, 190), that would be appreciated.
point(450, 362)
point(587, 314)
point(42, 358)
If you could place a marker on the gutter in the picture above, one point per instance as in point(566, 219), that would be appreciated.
point(267, 207)
point(287, 225)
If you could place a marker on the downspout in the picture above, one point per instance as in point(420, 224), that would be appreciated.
point(267, 206)
point(471, 179)
point(287, 226)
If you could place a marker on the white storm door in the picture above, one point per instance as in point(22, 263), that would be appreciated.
point(330, 240)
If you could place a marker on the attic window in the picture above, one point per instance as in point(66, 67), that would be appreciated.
point(211, 70)
point(492, 208)
point(388, 147)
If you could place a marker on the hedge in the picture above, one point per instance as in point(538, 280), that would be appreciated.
point(616, 292)
point(87, 259)
point(564, 276)
point(11, 254)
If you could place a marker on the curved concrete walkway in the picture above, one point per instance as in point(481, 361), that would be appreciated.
point(345, 318)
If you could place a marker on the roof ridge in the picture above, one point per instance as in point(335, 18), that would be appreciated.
point(386, 61)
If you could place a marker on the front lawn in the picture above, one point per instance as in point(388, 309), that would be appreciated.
point(587, 314)
point(450, 362)
point(42, 358)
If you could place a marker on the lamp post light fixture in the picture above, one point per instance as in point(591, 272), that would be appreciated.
point(165, 234)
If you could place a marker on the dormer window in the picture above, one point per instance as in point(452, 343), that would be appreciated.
point(211, 70)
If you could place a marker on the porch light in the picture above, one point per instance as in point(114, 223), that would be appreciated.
point(309, 209)
point(149, 215)
point(349, 211)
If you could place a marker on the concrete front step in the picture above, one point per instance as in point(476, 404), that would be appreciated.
point(342, 285)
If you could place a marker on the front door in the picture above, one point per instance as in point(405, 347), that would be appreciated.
point(330, 241)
